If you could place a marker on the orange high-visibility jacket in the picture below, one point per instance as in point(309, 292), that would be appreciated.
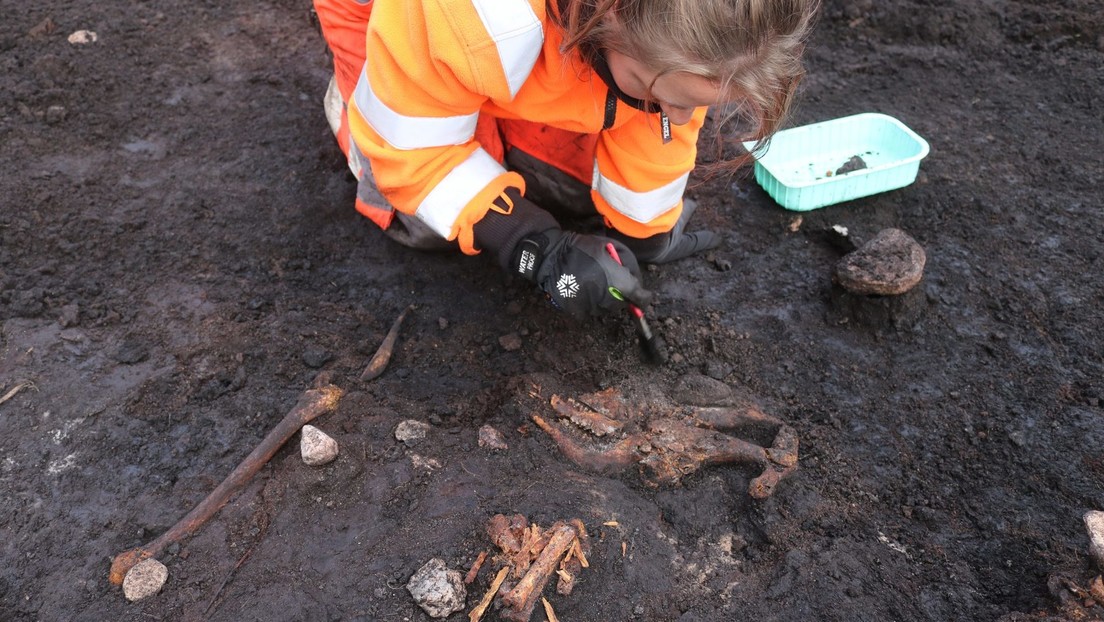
point(434, 68)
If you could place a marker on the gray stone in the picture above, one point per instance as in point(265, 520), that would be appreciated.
point(1094, 521)
point(411, 431)
point(145, 579)
point(315, 356)
point(490, 437)
point(437, 590)
point(317, 447)
point(55, 114)
point(889, 264)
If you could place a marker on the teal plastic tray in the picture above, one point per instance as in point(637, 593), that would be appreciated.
point(798, 169)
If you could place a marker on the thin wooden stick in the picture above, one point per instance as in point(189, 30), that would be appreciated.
point(19, 386)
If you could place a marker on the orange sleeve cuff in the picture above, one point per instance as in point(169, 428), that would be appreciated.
point(462, 230)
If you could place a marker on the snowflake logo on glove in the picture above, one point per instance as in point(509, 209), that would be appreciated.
point(567, 286)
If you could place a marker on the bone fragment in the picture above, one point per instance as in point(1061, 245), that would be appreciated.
point(311, 405)
point(548, 612)
point(584, 417)
point(19, 386)
point(474, 570)
point(477, 613)
point(523, 596)
point(383, 355)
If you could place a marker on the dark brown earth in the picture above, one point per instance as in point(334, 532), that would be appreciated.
point(179, 260)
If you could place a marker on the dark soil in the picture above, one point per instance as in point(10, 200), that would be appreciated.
point(179, 260)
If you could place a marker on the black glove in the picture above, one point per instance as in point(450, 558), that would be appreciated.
point(578, 272)
point(673, 245)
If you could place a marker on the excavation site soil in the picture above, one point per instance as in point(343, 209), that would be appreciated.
point(180, 262)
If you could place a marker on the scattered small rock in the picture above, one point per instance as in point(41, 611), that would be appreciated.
point(424, 464)
point(70, 316)
point(442, 323)
point(317, 447)
point(1094, 521)
point(795, 224)
point(716, 369)
point(82, 37)
point(511, 342)
point(437, 590)
point(145, 579)
point(55, 114)
point(43, 28)
point(490, 437)
point(411, 431)
point(315, 356)
point(889, 264)
point(131, 351)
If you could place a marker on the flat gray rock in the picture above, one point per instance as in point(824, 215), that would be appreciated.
point(889, 264)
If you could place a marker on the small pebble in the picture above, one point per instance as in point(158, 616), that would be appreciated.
point(1094, 521)
point(70, 315)
point(889, 264)
point(437, 590)
point(511, 342)
point(490, 437)
point(424, 464)
point(131, 351)
point(442, 323)
point(317, 447)
point(55, 114)
point(82, 37)
point(315, 356)
point(145, 579)
point(411, 431)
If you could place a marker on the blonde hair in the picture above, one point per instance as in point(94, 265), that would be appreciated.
point(750, 48)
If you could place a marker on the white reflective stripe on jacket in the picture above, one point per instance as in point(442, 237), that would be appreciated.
point(448, 198)
point(642, 207)
point(406, 132)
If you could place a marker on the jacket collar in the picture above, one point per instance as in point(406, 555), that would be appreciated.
point(601, 67)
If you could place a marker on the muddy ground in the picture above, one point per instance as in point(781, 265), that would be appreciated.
point(179, 260)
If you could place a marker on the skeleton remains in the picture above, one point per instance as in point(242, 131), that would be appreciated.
point(605, 432)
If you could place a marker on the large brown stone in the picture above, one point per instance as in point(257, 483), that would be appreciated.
point(889, 264)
